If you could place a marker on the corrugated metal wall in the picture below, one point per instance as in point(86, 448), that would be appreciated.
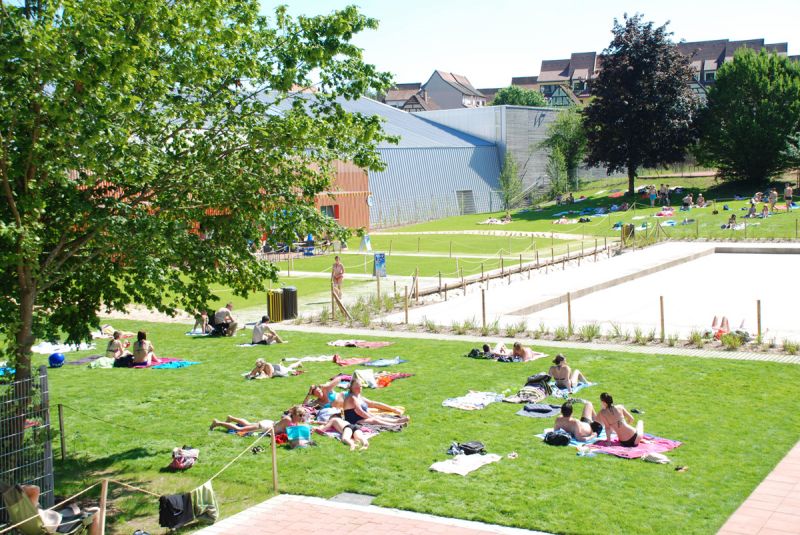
point(420, 184)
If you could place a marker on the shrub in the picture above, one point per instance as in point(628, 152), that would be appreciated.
point(541, 331)
point(522, 326)
point(470, 324)
point(672, 339)
point(616, 330)
point(561, 333)
point(731, 341)
point(365, 316)
point(494, 327)
point(589, 332)
point(325, 316)
point(388, 302)
point(772, 343)
point(696, 338)
point(651, 336)
point(790, 347)
point(458, 327)
point(639, 337)
point(511, 331)
point(429, 325)
point(485, 330)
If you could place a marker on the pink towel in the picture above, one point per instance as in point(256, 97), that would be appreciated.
point(649, 444)
point(350, 362)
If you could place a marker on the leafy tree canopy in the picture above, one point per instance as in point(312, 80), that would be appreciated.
point(518, 96)
point(643, 107)
point(753, 109)
point(568, 134)
point(144, 144)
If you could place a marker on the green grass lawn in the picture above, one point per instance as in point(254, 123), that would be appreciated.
point(706, 224)
point(465, 244)
point(735, 428)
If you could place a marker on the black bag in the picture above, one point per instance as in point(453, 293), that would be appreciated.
point(124, 362)
point(175, 510)
point(475, 353)
point(471, 448)
point(556, 438)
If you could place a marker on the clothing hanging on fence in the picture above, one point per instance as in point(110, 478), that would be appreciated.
point(175, 510)
point(204, 503)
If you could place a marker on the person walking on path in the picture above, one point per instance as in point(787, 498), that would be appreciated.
point(337, 276)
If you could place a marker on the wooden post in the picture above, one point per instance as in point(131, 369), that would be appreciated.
point(405, 305)
point(569, 313)
point(395, 289)
point(440, 284)
point(520, 265)
point(390, 247)
point(333, 304)
point(451, 248)
point(463, 283)
point(274, 463)
point(482, 276)
point(697, 228)
point(416, 286)
point(758, 317)
point(378, 282)
point(502, 267)
point(61, 432)
point(552, 240)
point(102, 513)
point(661, 304)
point(537, 259)
point(595, 249)
point(483, 307)
point(418, 238)
point(445, 291)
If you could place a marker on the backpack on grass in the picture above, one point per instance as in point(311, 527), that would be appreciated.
point(471, 448)
point(557, 438)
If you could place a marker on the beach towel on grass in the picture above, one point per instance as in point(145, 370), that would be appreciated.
point(539, 410)
point(350, 362)
point(197, 333)
point(383, 363)
point(165, 363)
point(359, 343)
point(527, 394)
point(320, 358)
point(649, 444)
point(386, 378)
point(577, 443)
point(473, 401)
point(464, 464)
point(563, 393)
point(368, 433)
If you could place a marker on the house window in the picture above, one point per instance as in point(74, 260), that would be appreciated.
point(709, 76)
point(580, 85)
point(331, 211)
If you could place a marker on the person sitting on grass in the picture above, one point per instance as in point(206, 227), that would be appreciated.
point(350, 433)
point(356, 409)
point(67, 519)
point(201, 325)
point(265, 370)
point(617, 419)
point(731, 222)
point(687, 201)
point(116, 348)
point(701, 201)
point(751, 211)
point(524, 354)
point(582, 430)
point(322, 395)
point(263, 334)
point(563, 375)
point(143, 351)
point(225, 320)
point(764, 211)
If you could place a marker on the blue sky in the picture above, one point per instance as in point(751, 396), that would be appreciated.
point(491, 41)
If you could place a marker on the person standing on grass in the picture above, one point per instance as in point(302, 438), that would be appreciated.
point(337, 276)
point(773, 198)
point(787, 196)
point(651, 192)
point(223, 315)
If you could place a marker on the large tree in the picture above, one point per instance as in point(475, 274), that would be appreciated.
point(144, 144)
point(643, 107)
point(753, 108)
point(518, 96)
point(567, 134)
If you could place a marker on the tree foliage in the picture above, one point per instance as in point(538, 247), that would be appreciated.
point(643, 108)
point(568, 134)
point(753, 108)
point(556, 171)
point(144, 144)
point(510, 183)
point(518, 96)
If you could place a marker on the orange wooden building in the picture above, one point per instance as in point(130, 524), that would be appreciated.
point(347, 199)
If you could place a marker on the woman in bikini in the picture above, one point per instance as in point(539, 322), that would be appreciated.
point(563, 375)
point(356, 409)
point(350, 433)
point(143, 352)
point(619, 420)
point(296, 416)
point(265, 370)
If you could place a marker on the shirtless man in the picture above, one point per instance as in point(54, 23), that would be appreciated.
point(523, 353)
point(787, 196)
point(616, 418)
point(337, 276)
point(263, 334)
point(223, 315)
point(583, 429)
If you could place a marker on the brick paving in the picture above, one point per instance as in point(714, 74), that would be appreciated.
point(301, 515)
point(774, 506)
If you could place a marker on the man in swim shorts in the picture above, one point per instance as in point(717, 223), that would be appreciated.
point(583, 429)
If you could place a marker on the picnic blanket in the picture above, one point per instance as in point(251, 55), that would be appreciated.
point(371, 379)
point(649, 444)
point(46, 348)
point(350, 362)
point(359, 343)
point(386, 378)
point(473, 401)
point(383, 363)
point(320, 358)
point(102, 362)
point(464, 464)
point(563, 393)
point(539, 410)
point(165, 363)
point(527, 394)
point(368, 433)
point(197, 333)
point(84, 360)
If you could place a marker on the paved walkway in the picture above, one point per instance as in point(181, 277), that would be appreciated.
point(342, 331)
point(774, 507)
point(300, 515)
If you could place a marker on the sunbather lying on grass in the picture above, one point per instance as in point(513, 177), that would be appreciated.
point(351, 433)
point(265, 370)
point(583, 429)
point(296, 415)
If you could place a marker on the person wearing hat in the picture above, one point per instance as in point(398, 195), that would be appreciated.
point(563, 375)
point(263, 334)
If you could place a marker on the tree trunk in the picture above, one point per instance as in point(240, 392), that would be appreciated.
point(25, 340)
point(572, 177)
point(631, 180)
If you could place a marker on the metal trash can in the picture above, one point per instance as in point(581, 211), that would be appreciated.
point(275, 305)
point(289, 302)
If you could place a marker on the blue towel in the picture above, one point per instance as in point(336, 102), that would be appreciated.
point(670, 223)
point(382, 363)
point(539, 410)
point(563, 393)
point(174, 364)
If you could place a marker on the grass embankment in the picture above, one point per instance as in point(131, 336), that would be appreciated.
point(733, 433)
